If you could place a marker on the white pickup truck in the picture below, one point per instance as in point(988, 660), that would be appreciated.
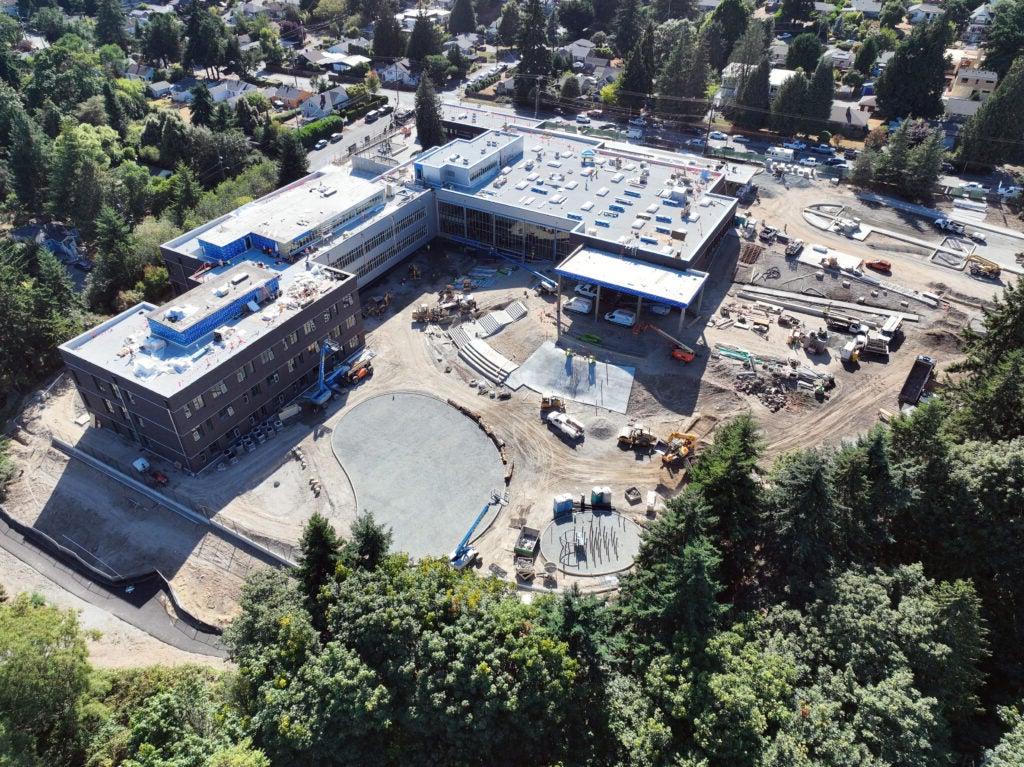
point(566, 425)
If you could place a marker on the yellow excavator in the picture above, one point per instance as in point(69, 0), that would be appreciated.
point(679, 446)
point(982, 267)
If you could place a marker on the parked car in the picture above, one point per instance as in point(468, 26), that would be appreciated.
point(659, 309)
point(578, 305)
point(823, 149)
point(320, 144)
point(947, 167)
point(85, 266)
point(879, 265)
point(767, 234)
point(850, 154)
point(719, 136)
point(798, 146)
point(586, 289)
point(582, 119)
point(836, 161)
point(624, 317)
point(372, 116)
point(810, 162)
point(740, 140)
point(385, 110)
point(696, 143)
point(595, 113)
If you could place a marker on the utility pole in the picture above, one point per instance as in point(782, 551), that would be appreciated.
point(536, 99)
point(707, 133)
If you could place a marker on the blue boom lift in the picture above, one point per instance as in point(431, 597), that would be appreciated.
point(320, 393)
point(465, 555)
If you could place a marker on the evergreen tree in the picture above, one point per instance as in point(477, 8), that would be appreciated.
point(750, 108)
point(206, 35)
point(804, 52)
point(388, 40)
point(711, 36)
point(508, 27)
point(184, 193)
point(110, 24)
point(570, 88)
point(820, 93)
point(666, 10)
point(752, 45)
point(732, 15)
point(1004, 39)
point(201, 105)
point(892, 163)
point(28, 163)
point(161, 39)
point(429, 130)
point(790, 105)
point(116, 117)
point(319, 550)
point(534, 55)
point(576, 16)
point(914, 79)
point(462, 18)
point(866, 57)
point(292, 163)
point(627, 27)
point(995, 134)
point(636, 78)
point(368, 544)
point(223, 118)
point(792, 10)
point(424, 40)
point(116, 266)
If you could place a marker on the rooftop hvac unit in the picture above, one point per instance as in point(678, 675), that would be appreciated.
point(238, 279)
point(678, 234)
point(221, 290)
point(329, 192)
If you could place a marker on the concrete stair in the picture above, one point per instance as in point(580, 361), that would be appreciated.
point(480, 356)
point(490, 324)
point(459, 336)
point(516, 310)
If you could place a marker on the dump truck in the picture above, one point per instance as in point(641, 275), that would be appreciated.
point(917, 379)
point(947, 225)
point(565, 425)
point(637, 437)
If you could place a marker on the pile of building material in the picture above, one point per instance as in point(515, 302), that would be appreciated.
point(772, 396)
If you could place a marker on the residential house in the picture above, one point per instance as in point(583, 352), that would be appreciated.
point(407, 18)
point(290, 96)
point(840, 59)
point(923, 12)
point(776, 78)
point(732, 75)
point(579, 50)
point(978, 23)
point(317, 59)
point(959, 109)
point(466, 43)
point(707, 6)
point(323, 104)
point(870, 8)
point(159, 90)
point(246, 43)
point(229, 91)
point(353, 45)
point(399, 72)
point(971, 83)
point(10, 7)
point(275, 9)
point(777, 52)
point(868, 104)
point(136, 71)
point(847, 118)
point(824, 8)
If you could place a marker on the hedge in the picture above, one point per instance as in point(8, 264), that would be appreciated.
point(312, 132)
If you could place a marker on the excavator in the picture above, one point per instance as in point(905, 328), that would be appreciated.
point(982, 267)
point(680, 445)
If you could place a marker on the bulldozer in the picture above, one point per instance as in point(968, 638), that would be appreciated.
point(637, 437)
point(551, 402)
point(679, 446)
point(982, 267)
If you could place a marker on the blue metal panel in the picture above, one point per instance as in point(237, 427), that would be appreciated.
point(207, 325)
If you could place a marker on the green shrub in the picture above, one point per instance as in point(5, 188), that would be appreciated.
point(312, 132)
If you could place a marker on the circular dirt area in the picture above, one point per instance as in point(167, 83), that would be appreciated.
point(421, 467)
point(591, 542)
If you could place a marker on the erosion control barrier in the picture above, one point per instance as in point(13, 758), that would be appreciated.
point(231, 536)
point(137, 581)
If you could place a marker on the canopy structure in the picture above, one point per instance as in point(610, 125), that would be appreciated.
point(675, 287)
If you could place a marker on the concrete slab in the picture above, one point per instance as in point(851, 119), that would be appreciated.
point(549, 371)
point(591, 542)
point(422, 467)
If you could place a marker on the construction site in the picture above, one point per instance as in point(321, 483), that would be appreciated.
point(524, 423)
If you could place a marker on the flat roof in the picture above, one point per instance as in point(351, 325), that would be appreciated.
point(659, 203)
point(454, 152)
point(125, 346)
point(211, 296)
point(285, 214)
point(676, 287)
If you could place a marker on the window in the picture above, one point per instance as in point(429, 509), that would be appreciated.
point(350, 322)
point(293, 338)
point(240, 375)
point(327, 317)
point(346, 301)
point(226, 412)
point(100, 386)
point(309, 327)
point(197, 433)
point(267, 356)
point(108, 406)
point(131, 397)
point(354, 342)
point(273, 378)
point(291, 365)
point(187, 410)
point(197, 402)
point(255, 390)
point(218, 389)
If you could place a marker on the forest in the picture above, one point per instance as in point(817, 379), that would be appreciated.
point(854, 605)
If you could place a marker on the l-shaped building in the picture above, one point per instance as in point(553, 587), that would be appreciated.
point(261, 289)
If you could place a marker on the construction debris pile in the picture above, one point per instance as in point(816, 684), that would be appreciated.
point(774, 380)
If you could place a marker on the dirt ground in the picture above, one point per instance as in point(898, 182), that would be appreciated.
point(267, 494)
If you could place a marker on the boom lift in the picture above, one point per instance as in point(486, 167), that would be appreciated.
point(983, 267)
point(320, 392)
point(680, 351)
point(465, 555)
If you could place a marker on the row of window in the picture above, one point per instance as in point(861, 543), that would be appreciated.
point(391, 252)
